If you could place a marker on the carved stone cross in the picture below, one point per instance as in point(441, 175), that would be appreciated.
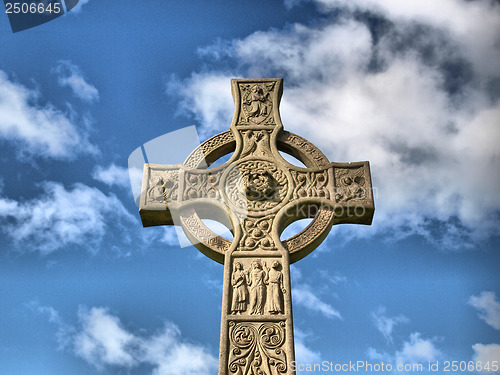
point(257, 194)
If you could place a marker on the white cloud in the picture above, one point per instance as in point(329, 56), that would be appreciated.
point(295, 273)
point(71, 76)
point(303, 295)
point(173, 356)
point(50, 312)
point(102, 340)
point(430, 133)
point(211, 107)
point(59, 218)
point(488, 308)
point(416, 350)
point(166, 234)
point(64, 331)
point(333, 277)
point(474, 25)
point(487, 354)
point(386, 324)
point(38, 130)
point(170, 236)
point(303, 353)
point(112, 175)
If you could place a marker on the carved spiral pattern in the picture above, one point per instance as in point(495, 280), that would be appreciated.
point(243, 336)
point(256, 234)
point(257, 348)
point(271, 335)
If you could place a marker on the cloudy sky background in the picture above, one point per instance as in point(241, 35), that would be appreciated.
point(411, 86)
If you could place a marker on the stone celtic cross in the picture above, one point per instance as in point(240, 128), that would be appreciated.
point(256, 194)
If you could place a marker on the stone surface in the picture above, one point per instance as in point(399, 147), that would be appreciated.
point(258, 194)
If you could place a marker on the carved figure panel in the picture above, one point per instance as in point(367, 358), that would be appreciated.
point(240, 290)
point(257, 348)
point(256, 288)
point(256, 143)
point(256, 104)
point(276, 288)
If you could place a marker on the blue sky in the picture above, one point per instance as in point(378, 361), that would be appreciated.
point(413, 87)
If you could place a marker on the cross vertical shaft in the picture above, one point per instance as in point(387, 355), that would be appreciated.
point(256, 326)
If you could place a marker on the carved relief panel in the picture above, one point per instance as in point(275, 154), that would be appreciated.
point(257, 286)
point(350, 185)
point(257, 186)
point(257, 234)
point(257, 348)
point(310, 184)
point(256, 143)
point(201, 184)
point(256, 103)
point(163, 186)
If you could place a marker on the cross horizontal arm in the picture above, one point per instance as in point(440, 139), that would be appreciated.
point(344, 187)
point(167, 188)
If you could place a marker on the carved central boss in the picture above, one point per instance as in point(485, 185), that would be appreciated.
point(256, 194)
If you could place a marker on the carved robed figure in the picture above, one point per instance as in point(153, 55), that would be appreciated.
point(256, 194)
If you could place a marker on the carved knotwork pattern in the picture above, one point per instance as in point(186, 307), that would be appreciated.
point(310, 184)
point(201, 185)
point(256, 186)
point(350, 185)
point(195, 226)
point(256, 234)
point(317, 226)
point(206, 148)
point(256, 104)
point(306, 146)
point(257, 348)
point(164, 187)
